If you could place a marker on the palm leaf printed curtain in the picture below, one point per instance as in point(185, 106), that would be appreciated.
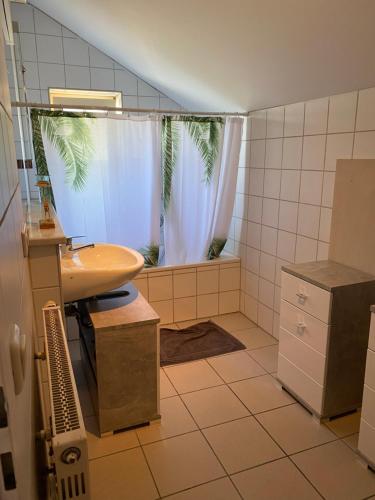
point(105, 174)
point(200, 161)
point(163, 187)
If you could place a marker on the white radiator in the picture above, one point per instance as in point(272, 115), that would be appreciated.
point(68, 435)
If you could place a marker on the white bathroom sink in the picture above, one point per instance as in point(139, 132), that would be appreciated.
point(97, 269)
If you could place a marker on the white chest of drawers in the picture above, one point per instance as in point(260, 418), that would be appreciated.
point(366, 442)
point(324, 324)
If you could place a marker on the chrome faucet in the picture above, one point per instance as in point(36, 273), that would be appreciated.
point(69, 244)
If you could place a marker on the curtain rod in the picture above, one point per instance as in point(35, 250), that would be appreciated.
point(19, 104)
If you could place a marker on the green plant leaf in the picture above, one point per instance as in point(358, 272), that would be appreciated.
point(150, 254)
point(170, 148)
point(216, 248)
point(70, 134)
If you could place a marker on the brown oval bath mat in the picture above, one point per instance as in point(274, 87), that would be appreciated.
point(199, 341)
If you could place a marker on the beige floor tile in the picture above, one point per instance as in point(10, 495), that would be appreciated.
point(336, 471)
point(261, 393)
point(182, 462)
point(233, 321)
point(274, 481)
point(190, 322)
point(122, 475)
point(266, 357)
point(214, 406)
point(221, 489)
point(345, 426)
point(352, 441)
point(254, 338)
point(192, 376)
point(236, 366)
point(242, 444)
point(175, 420)
point(294, 428)
point(101, 446)
point(171, 326)
point(166, 388)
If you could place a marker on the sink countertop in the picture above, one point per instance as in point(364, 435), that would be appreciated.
point(122, 312)
point(328, 274)
point(40, 237)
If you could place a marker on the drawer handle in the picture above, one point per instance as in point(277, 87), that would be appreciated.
point(301, 297)
point(301, 327)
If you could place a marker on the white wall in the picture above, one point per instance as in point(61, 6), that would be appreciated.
point(53, 56)
point(15, 303)
point(285, 189)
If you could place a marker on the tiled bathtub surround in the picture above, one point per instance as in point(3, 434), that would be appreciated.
point(192, 291)
point(285, 189)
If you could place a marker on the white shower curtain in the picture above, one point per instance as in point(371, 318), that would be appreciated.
point(121, 199)
point(201, 211)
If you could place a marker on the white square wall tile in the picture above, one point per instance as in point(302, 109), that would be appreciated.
point(342, 109)
point(254, 212)
point(164, 308)
point(292, 153)
point(252, 260)
point(184, 285)
point(251, 284)
point(45, 25)
point(24, 15)
point(229, 279)
point(288, 216)
point(274, 152)
point(141, 285)
point(257, 153)
point(102, 79)
point(258, 124)
point(126, 82)
point(272, 181)
point(240, 227)
point(306, 249)
point(268, 241)
point(160, 288)
point(339, 147)
point(240, 205)
point(323, 251)
point(316, 113)
point(229, 302)
point(144, 89)
point(207, 305)
point(28, 47)
point(313, 152)
point(51, 75)
point(50, 49)
point(266, 292)
point(77, 77)
point(364, 145)
point(244, 158)
point(325, 224)
point(275, 122)
point(270, 212)
point(308, 220)
point(207, 281)
point(328, 189)
point(98, 59)
point(251, 308)
point(286, 243)
point(256, 181)
point(253, 235)
point(184, 309)
point(267, 267)
point(290, 183)
point(294, 119)
point(366, 110)
point(76, 52)
point(265, 318)
point(311, 187)
point(148, 102)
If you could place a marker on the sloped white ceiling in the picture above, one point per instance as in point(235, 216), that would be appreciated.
point(232, 55)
